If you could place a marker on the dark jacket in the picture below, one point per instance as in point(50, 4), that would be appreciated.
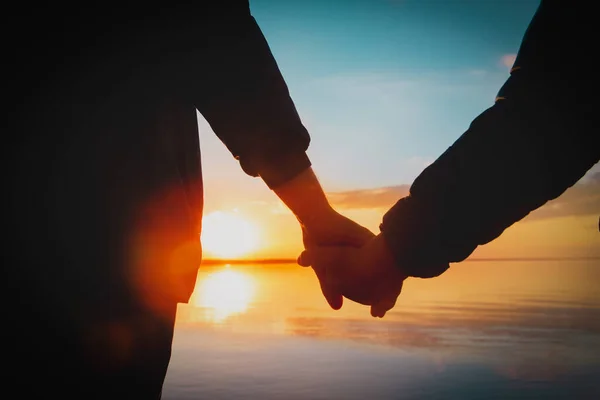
point(106, 185)
point(537, 140)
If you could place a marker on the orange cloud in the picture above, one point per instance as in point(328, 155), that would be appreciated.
point(508, 60)
point(582, 198)
point(368, 198)
point(541, 234)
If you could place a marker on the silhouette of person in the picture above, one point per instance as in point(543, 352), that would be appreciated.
point(105, 184)
point(537, 140)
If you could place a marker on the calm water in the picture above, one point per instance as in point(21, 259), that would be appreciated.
point(483, 330)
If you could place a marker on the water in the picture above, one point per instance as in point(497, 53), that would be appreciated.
point(483, 330)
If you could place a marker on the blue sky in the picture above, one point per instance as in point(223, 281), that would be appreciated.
point(384, 87)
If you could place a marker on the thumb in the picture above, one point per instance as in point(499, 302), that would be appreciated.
point(387, 302)
point(305, 259)
point(329, 287)
point(323, 260)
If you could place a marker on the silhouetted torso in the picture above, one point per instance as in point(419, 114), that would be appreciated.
point(105, 183)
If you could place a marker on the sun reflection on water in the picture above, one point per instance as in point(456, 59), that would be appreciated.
point(225, 293)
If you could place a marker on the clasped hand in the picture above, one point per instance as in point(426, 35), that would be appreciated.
point(350, 261)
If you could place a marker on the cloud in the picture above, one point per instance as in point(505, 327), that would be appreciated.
point(593, 175)
point(408, 85)
point(477, 72)
point(508, 60)
point(368, 198)
point(583, 198)
point(420, 162)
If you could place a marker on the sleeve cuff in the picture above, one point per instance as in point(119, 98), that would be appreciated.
point(282, 168)
point(411, 236)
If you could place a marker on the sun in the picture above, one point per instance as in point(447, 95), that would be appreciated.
point(228, 235)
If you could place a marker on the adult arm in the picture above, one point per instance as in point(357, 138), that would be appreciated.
point(536, 141)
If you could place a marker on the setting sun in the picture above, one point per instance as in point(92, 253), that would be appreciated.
point(228, 235)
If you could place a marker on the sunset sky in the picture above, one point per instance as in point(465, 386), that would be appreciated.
point(384, 87)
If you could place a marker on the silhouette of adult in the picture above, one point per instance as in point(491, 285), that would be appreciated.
point(537, 140)
point(105, 186)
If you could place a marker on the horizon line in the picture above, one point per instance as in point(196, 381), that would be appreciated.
point(217, 261)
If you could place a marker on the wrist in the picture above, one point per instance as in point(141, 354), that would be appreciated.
point(380, 260)
point(411, 230)
point(304, 196)
point(382, 253)
point(318, 218)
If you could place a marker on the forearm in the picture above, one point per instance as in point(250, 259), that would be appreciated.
point(247, 103)
point(525, 150)
point(305, 197)
point(512, 160)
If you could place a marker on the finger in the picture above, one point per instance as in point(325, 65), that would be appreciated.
point(387, 301)
point(379, 309)
point(333, 296)
point(374, 311)
point(324, 262)
point(329, 288)
point(305, 259)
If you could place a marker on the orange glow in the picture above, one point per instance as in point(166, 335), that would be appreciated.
point(163, 253)
point(225, 293)
point(228, 235)
point(286, 299)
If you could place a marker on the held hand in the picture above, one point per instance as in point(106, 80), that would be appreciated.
point(321, 224)
point(332, 229)
point(366, 275)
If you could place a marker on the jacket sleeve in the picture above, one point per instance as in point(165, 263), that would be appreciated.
point(242, 94)
point(536, 141)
